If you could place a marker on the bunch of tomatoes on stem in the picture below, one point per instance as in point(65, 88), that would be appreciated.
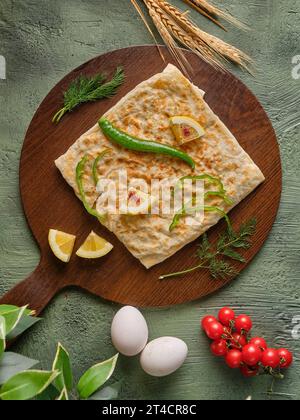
point(232, 340)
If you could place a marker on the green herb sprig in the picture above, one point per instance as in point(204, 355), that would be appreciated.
point(89, 89)
point(212, 256)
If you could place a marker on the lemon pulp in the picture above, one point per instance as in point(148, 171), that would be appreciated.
point(186, 129)
point(94, 247)
point(61, 244)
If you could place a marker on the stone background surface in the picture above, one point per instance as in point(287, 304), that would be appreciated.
point(42, 41)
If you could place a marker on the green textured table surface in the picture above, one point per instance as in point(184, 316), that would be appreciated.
point(41, 42)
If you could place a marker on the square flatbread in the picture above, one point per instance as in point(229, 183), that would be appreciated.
point(145, 113)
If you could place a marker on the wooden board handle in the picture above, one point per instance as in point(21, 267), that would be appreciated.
point(36, 291)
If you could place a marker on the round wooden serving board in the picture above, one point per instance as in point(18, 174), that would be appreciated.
point(50, 203)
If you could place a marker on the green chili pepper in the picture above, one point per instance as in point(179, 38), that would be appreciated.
point(79, 174)
point(211, 179)
point(184, 212)
point(139, 145)
point(214, 209)
point(219, 194)
point(221, 190)
point(176, 219)
point(95, 165)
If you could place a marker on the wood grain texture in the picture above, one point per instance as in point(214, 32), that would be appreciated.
point(119, 277)
point(42, 41)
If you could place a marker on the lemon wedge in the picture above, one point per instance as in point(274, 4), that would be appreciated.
point(62, 244)
point(94, 247)
point(186, 129)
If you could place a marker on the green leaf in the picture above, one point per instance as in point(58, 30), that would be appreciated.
point(8, 308)
point(107, 393)
point(24, 324)
point(26, 385)
point(205, 243)
point(13, 317)
point(2, 335)
point(204, 248)
point(220, 269)
point(244, 244)
point(230, 253)
point(49, 394)
point(62, 364)
point(95, 377)
point(222, 242)
point(63, 396)
point(13, 363)
point(248, 229)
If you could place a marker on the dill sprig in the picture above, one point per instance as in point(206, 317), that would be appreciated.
point(212, 256)
point(89, 89)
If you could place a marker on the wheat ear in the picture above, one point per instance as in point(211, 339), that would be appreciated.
point(176, 52)
point(186, 37)
point(208, 8)
point(221, 48)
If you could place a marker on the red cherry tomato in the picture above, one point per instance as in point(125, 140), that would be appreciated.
point(234, 359)
point(251, 355)
point(238, 340)
point(270, 358)
point(226, 316)
point(215, 330)
point(250, 372)
point(259, 342)
point(243, 323)
point(219, 348)
point(207, 320)
point(286, 358)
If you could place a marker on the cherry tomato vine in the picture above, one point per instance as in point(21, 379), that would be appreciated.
point(232, 340)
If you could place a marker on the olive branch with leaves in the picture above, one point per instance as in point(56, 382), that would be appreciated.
point(18, 381)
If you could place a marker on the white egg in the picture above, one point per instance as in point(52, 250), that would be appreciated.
point(163, 356)
point(129, 331)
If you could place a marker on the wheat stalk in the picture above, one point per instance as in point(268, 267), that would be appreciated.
point(143, 17)
point(229, 52)
point(206, 8)
point(204, 13)
point(187, 25)
point(174, 25)
point(182, 32)
point(205, 42)
point(176, 52)
point(221, 48)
